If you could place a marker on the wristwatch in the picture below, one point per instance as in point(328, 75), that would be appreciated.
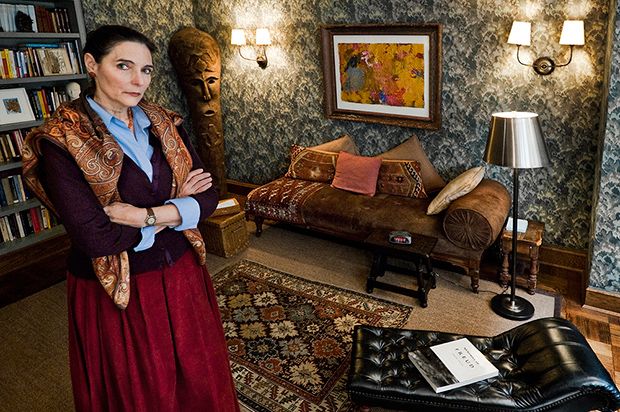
point(151, 219)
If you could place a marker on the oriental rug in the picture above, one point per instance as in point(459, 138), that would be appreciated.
point(289, 339)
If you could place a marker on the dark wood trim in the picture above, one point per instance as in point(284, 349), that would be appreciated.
point(602, 299)
point(240, 188)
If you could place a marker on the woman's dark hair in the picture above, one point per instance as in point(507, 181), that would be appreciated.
point(100, 41)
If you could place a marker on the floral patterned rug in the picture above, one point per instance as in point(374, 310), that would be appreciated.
point(289, 339)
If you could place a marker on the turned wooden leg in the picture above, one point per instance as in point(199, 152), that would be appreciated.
point(474, 274)
point(533, 277)
point(258, 221)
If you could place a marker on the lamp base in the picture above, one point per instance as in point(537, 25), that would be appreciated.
point(518, 309)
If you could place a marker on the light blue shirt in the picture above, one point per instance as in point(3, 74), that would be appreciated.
point(136, 146)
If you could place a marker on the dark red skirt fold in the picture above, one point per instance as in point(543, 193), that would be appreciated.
point(165, 352)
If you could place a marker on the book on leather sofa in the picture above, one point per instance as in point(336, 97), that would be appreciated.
point(407, 183)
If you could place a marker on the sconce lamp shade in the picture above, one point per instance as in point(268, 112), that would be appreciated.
point(516, 141)
point(520, 33)
point(263, 37)
point(237, 37)
point(572, 33)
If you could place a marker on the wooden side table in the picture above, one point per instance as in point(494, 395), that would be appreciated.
point(418, 252)
point(528, 245)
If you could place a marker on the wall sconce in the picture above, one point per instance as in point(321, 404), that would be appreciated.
point(263, 39)
point(572, 35)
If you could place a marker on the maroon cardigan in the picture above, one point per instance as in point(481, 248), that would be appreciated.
point(89, 228)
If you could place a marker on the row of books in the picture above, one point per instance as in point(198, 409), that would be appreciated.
point(13, 190)
point(43, 20)
point(40, 59)
point(26, 222)
point(45, 101)
point(11, 144)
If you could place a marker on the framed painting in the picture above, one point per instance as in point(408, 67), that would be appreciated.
point(15, 106)
point(383, 73)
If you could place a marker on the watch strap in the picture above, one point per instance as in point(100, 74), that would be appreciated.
point(151, 219)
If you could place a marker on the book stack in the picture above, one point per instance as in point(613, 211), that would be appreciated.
point(45, 101)
point(11, 144)
point(44, 20)
point(20, 224)
point(40, 59)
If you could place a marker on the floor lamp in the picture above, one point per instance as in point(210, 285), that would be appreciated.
point(515, 141)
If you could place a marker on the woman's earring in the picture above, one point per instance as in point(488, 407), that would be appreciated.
point(91, 75)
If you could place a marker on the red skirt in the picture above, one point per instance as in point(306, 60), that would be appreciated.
point(165, 352)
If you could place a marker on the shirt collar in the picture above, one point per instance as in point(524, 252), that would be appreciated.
point(139, 117)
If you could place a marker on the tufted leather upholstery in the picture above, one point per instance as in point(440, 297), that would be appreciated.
point(544, 365)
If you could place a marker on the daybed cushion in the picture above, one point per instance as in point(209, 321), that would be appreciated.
point(459, 186)
point(357, 174)
point(411, 149)
point(344, 143)
point(400, 178)
point(312, 165)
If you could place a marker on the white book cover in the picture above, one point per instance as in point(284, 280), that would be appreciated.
point(521, 225)
point(452, 364)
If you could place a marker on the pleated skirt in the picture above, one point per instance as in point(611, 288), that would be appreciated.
point(165, 352)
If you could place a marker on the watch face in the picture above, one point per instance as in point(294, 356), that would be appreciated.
point(150, 220)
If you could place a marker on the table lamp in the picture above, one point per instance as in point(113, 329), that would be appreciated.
point(515, 141)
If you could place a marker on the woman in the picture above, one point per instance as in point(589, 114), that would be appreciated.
point(144, 328)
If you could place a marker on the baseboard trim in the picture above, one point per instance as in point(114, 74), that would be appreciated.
point(240, 188)
point(602, 299)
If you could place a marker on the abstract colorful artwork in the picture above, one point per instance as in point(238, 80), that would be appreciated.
point(382, 73)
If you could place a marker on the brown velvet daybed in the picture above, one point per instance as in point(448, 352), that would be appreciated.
point(470, 224)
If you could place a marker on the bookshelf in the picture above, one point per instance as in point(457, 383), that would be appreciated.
point(40, 63)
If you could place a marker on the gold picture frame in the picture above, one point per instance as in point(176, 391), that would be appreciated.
point(387, 74)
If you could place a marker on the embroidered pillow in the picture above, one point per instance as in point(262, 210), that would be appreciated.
point(411, 149)
point(401, 178)
point(357, 174)
point(313, 165)
point(460, 186)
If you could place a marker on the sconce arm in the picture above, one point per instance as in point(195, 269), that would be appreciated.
point(519, 59)
point(261, 57)
point(570, 58)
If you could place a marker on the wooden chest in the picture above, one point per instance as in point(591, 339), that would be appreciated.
point(225, 235)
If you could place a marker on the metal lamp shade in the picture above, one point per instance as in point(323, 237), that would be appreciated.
point(516, 141)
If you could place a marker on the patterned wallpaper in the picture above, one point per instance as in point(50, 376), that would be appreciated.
point(605, 270)
point(265, 111)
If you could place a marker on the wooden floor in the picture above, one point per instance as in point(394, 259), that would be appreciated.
point(601, 328)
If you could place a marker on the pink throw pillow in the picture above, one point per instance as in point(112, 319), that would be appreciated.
point(357, 174)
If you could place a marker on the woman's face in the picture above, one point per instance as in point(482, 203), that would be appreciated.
point(122, 76)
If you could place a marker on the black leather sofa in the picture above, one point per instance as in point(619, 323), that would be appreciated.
point(544, 365)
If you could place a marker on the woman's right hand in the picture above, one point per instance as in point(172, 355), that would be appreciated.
point(197, 181)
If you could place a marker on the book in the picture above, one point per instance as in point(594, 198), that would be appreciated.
point(452, 364)
point(521, 225)
point(226, 207)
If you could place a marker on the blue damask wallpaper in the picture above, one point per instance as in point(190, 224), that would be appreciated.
point(605, 272)
point(265, 111)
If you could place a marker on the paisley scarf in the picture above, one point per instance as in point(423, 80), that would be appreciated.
point(80, 131)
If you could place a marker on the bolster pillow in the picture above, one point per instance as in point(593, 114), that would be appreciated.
point(475, 220)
